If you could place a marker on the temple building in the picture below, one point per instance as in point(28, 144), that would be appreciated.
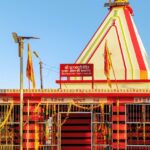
point(103, 102)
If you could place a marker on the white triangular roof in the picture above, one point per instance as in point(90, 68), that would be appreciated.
point(128, 54)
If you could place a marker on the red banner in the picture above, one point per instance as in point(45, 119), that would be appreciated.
point(68, 70)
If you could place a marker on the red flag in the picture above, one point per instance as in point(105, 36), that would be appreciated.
point(107, 63)
point(29, 69)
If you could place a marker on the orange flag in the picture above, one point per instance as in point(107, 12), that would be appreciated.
point(107, 63)
point(29, 69)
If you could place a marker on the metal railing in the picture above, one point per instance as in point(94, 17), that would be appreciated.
point(138, 126)
point(138, 147)
point(102, 128)
point(42, 124)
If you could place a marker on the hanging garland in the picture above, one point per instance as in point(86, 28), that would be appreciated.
point(36, 138)
point(2, 124)
point(103, 128)
point(67, 116)
point(142, 124)
point(109, 128)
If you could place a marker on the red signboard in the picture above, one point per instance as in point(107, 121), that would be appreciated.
point(74, 70)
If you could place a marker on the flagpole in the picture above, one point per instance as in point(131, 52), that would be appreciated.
point(117, 100)
point(21, 43)
point(117, 106)
point(111, 65)
point(29, 83)
point(41, 75)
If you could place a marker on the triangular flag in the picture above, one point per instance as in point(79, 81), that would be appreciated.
point(29, 69)
point(107, 63)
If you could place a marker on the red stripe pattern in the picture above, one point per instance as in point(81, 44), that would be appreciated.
point(134, 40)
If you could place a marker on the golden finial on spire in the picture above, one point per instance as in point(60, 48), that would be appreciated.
point(122, 1)
point(112, 3)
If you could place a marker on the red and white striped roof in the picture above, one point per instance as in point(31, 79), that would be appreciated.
point(128, 55)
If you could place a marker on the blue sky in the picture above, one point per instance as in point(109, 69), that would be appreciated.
point(64, 28)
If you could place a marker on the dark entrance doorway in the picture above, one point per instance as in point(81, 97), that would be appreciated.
point(76, 132)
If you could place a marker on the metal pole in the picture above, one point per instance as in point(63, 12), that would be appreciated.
point(41, 67)
point(20, 41)
point(21, 91)
point(41, 75)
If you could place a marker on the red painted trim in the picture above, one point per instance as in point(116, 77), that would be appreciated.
point(93, 36)
point(130, 9)
point(33, 96)
point(121, 52)
point(96, 48)
point(102, 81)
point(113, 25)
point(134, 40)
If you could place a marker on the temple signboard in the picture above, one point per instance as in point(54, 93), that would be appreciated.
point(74, 70)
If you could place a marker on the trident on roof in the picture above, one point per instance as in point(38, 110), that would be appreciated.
point(20, 41)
